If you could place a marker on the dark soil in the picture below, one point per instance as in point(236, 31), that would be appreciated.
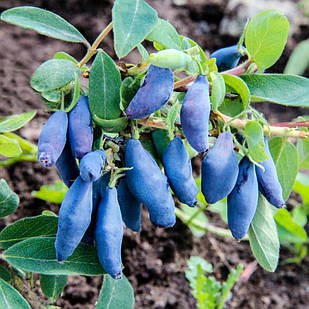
point(154, 259)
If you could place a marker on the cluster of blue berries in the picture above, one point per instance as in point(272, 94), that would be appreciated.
point(93, 208)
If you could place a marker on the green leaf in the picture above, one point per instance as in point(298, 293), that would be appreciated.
point(5, 274)
point(286, 237)
point(9, 147)
point(66, 56)
point(53, 74)
point(266, 37)
point(303, 152)
point(128, 89)
point(133, 20)
point(299, 59)
point(26, 228)
point(38, 255)
point(160, 139)
point(104, 87)
point(218, 90)
point(220, 208)
point(284, 218)
point(301, 186)
point(11, 298)
point(238, 86)
point(43, 22)
point(165, 34)
point(52, 286)
point(116, 294)
point(285, 157)
point(231, 107)
point(52, 193)
point(200, 196)
point(255, 139)
point(143, 52)
point(15, 122)
point(53, 96)
point(171, 117)
point(113, 125)
point(263, 236)
point(282, 89)
point(8, 199)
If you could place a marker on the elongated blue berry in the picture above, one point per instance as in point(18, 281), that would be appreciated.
point(98, 189)
point(130, 207)
point(80, 128)
point(269, 184)
point(74, 218)
point(178, 168)
point(52, 139)
point(149, 185)
point(219, 169)
point(243, 200)
point(226, 58)
point(109, 233)
point(155, 91)
point(92, 164)
point(66, 166)
point(194, 114)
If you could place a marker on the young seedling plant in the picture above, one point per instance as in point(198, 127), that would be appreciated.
point(115, 126)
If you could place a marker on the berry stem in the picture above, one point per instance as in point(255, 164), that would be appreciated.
point(93, 49)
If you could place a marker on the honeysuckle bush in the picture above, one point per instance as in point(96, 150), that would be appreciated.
point(111, 85)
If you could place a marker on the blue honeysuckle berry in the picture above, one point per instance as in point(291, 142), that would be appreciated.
point(91, 165)
point(242, 201)
point(109, 233)
point(219, 169)
point(52, 139)
point(178, 168)
point(194, 114)
point(74, 218)
point(149, 185)
point(227, 58)
point(155, 92)
point(80, 128)
point(130, 207)
point(66, 166)
point(269, 184)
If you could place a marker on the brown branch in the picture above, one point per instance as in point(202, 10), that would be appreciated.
point(298, 124)
point(238, 123)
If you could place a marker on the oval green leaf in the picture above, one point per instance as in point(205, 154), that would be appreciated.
point(5, 274)
point(218, 90)
point(303, 151)
point(9, 147)
point(165, 34)
point(282, 89)
point(26, 228)
point(116, 294)
point(52, 286)
point(15, 122)
point(299, 59)
point(52, 193)
point(43, 22)
point(113, 125)
point(255, 139)
point(8, 199)
point(53, 74)
point(104, 87)
point(263, 236)
point(238, 86)
point(285, 157)
point(284, 218)
point(38, 255)
point(266, 37)
point(133, 20)
point(11, 298)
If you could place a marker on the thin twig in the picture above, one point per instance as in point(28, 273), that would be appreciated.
point(93, 49)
